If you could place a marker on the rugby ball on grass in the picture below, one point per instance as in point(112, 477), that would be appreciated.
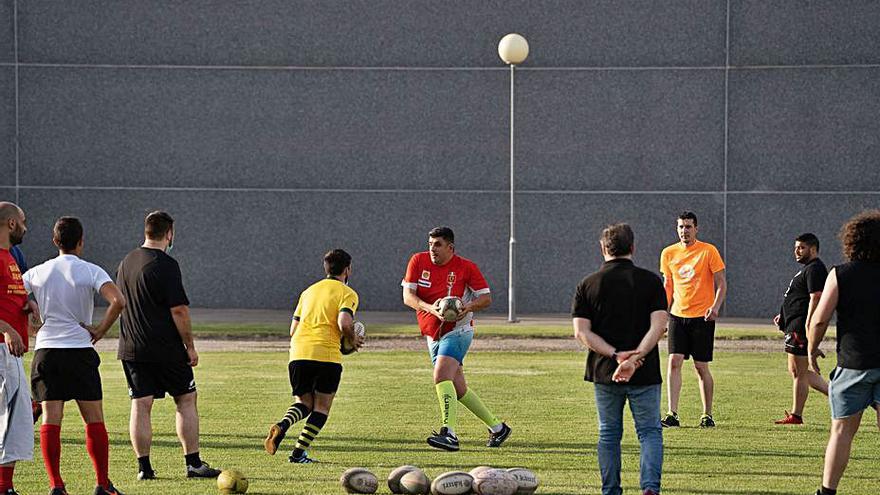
point(479, 469)
point(450, 307)
point(495, 482)
point(526, 480)
point(347, 346)
point(394, 477)
point(359, 480)
point(452, 483)
point(415, 482)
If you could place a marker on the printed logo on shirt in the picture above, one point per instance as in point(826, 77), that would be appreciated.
point(686, 272)
point(17, 288)
point(425, 283)
point(426, 274)
point(450, 279)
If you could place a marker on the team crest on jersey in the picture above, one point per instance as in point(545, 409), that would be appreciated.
point(426, 274)
point(450, 279)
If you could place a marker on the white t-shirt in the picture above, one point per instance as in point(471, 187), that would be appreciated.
point(65, 289)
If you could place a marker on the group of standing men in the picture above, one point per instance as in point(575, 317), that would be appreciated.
point(55, 301)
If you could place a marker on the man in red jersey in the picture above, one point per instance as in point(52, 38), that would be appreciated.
point(16, 426)
point(431, 276)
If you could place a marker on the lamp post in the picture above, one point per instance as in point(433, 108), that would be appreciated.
point(513, 50)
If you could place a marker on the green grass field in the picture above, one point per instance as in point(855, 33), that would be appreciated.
point(386, 407)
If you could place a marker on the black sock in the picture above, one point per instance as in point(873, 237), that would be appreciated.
point(311, 429)
point(296, 412)
point(827, 491)
point(144, 464)
point(193, 460)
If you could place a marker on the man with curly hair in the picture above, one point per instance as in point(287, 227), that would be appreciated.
point(852, 290)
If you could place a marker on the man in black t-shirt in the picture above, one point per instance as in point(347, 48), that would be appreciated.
point(156, 345)
point(798, 304)
point(619, 313)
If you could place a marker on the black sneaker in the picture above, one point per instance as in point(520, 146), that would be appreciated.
point(707, 422)
point(58, 491)
point(273, 439)
point(110, 490)
point(146, 475)
point(203, 471)
point(670, 421)
point(496, 439)
point(301, 459)
point(444, 440)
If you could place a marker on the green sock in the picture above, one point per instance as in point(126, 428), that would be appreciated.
point(473, 402)
point(448, 404)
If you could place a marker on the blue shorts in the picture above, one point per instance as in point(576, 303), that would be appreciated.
point(852, 391)
point(454, 344)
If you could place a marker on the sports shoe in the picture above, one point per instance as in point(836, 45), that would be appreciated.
point(146, 475)
point(301, 459)
point(670, 421)
point(706, 421)
point(273, 439)
point(790, 419)
point(203, 471)
point(444, 440)
point(10, 491)
point(110, 490)
point(58, 491)
point(496, 439)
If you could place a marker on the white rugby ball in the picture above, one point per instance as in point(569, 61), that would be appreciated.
point(415, 482)
point(479, 469)
point(450, 307)
point(452, 483)
point(495, 482)
point(359, 480)
point(394, 477)
point(347, 346)
point(526, 480)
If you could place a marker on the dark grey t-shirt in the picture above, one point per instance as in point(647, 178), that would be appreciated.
point(151, 282)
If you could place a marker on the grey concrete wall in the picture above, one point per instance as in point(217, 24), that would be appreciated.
point(275, 130)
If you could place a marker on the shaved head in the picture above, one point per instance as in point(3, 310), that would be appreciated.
point(12, 224)
point(10, 210)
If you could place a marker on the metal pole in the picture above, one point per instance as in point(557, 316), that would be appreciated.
point(511, 275)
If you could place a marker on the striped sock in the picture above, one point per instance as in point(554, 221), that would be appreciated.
point(309, 432)
point(295, 412)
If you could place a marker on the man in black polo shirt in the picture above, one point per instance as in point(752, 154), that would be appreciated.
point(798, 306)
point(853, 290)
point(619, 313)
point(156, 345)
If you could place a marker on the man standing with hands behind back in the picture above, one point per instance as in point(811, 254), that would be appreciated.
point(693, 275)
point(156, 345)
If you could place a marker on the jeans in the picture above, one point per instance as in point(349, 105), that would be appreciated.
point(644, 403)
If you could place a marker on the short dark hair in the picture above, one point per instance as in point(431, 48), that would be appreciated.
point(443, 233)
point(688, 215)
point(336, 261)
point(67, 233)
point(809, 239)
point(860, 237)
point(617, 239)
point(157, 224)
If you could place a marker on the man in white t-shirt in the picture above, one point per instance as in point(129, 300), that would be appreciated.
point(65, 365)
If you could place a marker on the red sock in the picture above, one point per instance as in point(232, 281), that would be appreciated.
point(50, 444)
point(6, 478)
point(98, 446)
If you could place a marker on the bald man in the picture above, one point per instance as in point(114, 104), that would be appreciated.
point(16, 426)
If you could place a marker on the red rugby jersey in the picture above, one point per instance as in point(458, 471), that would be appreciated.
point(432, 282)
point(13, 296)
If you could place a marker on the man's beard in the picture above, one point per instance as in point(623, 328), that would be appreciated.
point(16, 236)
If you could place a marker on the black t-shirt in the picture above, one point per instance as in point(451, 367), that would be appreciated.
point(858, 315)
point(151, 283)
point(796, 303)
point(618, 300)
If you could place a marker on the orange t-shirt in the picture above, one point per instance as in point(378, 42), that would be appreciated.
point(691, 269)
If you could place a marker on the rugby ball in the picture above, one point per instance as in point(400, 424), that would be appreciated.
point(526, 480)
point(359, 480)
point(479, 469)
point(232, 481)
point(394, 477)
point(347, 346)
point(415, 482)
point(449, 308)
point(495, 482)
point(452, 483)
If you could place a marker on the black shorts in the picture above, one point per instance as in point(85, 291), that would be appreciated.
point(692, 337)
point(314, 376)
point(157, 378)
point(66, 374)
point(796, 343)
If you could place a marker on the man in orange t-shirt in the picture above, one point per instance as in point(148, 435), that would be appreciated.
point(693, 274)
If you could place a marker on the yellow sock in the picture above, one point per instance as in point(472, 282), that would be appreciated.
point(475, 405)
point(448, 403)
